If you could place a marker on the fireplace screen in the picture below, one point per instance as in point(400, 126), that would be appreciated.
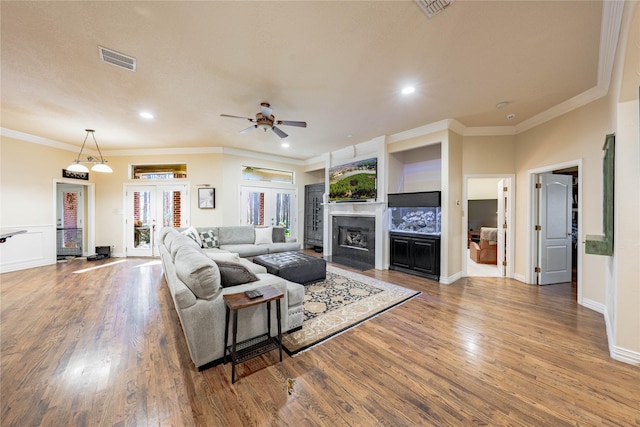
point(353, 238)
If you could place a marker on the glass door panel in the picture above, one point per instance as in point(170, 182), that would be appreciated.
point(269, 206)
point(149, 208)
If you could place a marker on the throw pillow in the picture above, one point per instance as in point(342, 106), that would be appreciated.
point(264, 236)
point(233, 273)
point(224, 256)
point(209, 239)
point(278, 235)
point(193, 233)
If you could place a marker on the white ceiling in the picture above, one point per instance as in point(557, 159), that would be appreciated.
point(339, 65)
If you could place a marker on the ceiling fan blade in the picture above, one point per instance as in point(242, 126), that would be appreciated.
point(292, 123)
point(252, 127)
point(237, 117)
point(266, 110)
point(279, 132)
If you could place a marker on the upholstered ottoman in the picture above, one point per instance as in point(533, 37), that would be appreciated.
point(294, 266)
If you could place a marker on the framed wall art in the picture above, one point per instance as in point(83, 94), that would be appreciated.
point(206, 198)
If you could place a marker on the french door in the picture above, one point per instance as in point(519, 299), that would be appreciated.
point(270, 206)
point(149, 208)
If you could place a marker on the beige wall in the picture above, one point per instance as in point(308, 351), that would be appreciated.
point(578, 135)
point(452, 207)
point(482, 188)
point(110, 201)
point(623, 296)
point(27, 173)
point(489, 155)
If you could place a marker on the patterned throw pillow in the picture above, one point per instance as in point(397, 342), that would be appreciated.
point(193, 233)
point(209, 240)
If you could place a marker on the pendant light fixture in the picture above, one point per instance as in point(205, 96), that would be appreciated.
point(99, 164)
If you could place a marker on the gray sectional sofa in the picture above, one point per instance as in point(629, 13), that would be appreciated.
point(248, 241)
point(199, 276)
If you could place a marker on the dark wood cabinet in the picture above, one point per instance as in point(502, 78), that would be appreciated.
point(313, 216)
point(415, 254)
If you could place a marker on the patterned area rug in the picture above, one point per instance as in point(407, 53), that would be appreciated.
point(340, 302)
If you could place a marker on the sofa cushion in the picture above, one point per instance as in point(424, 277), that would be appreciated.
point(168, 238)
point(234, 273)
point(199, 272)
point(278, 235)
point(193, 233)
point(264, 235)
point(209, 239)
point(245, 250)
point(181, 241)
point(283, 247)
point(223, 256)
point(235, 235)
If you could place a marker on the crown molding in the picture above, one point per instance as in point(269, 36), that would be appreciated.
point(262, 156)
point(26, 137)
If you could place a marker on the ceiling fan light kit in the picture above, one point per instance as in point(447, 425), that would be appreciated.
point(99, 164)
point(265, 120)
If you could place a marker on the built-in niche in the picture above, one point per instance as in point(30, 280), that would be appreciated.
point(415, 170)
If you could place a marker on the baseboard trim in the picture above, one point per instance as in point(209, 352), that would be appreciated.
point(451, 279)
point(519, 278)
point(624, 355)
point(593, 305)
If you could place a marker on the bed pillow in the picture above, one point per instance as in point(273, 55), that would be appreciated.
point(233, 273)
point(264, 236)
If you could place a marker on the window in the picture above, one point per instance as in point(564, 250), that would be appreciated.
point(168, 171)
point(250, 173)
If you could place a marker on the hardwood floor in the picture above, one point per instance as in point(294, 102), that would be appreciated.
point(99, 343)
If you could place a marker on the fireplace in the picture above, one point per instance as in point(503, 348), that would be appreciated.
point(354, 242)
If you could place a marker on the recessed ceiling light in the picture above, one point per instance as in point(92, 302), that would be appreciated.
point(408, 90)
point(502, 104)
point(146, 115)
point(285, 145)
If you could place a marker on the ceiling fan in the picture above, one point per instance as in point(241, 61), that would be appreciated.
point(266, 120)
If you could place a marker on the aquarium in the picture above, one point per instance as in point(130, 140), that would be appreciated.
point(420, 220)
point(416, 213)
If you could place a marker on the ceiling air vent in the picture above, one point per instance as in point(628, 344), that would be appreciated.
point(118, 59)
point(433, 7)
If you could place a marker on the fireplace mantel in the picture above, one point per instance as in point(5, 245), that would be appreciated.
point(376, 210)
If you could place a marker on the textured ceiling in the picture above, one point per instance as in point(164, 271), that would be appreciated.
point(337, 65)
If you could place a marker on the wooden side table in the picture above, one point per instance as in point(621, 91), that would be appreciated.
point(253, 347)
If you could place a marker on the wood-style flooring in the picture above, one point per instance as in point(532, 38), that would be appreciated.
point(100, 344)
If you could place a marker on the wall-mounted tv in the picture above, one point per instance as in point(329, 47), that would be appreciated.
point(355, 181)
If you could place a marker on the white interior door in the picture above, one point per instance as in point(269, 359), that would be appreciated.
point(502, 225)
point(149, 208)
point(555, 234)
point(269, 206)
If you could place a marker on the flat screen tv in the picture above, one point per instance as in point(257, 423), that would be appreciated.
point(355, 181)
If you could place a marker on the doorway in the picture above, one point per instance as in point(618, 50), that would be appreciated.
point(70, 219)
point(74, 218)
point(148, 209)
point(551, 261)
point(488, 238)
